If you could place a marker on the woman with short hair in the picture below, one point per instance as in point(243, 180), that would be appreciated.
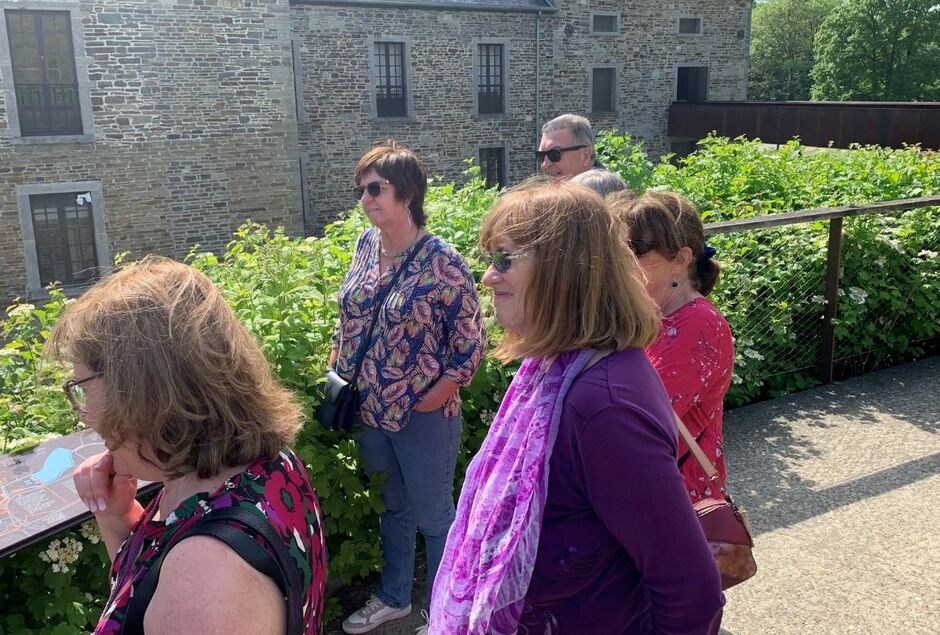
point(182, 394)
point(573, 517)
point(427, 343)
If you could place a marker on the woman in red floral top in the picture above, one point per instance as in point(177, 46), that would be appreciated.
point(694, 354)
point(181, 394)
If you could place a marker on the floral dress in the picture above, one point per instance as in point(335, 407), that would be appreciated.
point(279, 488)
point(694, 356)
point(430, 327)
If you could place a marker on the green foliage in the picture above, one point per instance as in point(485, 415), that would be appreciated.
point(284, 290)
point(879, 50)
point(782, 33)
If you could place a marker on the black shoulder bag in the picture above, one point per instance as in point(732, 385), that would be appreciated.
point(280, 569)
point(339, 401)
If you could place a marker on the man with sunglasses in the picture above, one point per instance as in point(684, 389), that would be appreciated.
point(567, 147)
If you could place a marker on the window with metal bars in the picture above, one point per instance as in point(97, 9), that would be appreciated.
point(492, 85)
point(391, 98)
point(493, 166)
point(64, 230)
point(44, 77)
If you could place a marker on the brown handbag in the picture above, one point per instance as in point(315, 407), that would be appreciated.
point(725, 524)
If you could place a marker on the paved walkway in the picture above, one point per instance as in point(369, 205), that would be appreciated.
point(842, 484)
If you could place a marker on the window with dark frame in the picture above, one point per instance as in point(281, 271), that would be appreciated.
point(690, 26)
point(604, 23)
point(44, 76)
point(492, 83)
point(391, 98)
point(64, 230)
point(692, 83)
point(493, 166)
point(603, 90)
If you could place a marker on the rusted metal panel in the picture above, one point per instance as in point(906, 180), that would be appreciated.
point(815, 123)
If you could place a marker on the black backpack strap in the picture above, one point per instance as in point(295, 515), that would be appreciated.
point(280, 569)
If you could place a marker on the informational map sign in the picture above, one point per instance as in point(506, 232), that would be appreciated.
point(37, 496)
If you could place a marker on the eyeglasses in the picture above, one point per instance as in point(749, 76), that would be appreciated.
point(502, 260)
point(75, 393)
point(374, 188)
point(554, 155)
point(642, 247)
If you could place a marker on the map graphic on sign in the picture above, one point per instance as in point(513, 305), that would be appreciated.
point(37, 496)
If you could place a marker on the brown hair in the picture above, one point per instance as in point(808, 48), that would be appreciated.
point(672, 222)
point(182, 376)
point(404, 169)
point(584, 290)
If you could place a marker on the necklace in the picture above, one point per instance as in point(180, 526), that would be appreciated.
point(403, 251)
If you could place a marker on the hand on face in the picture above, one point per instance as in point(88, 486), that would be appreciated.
point(105, 492)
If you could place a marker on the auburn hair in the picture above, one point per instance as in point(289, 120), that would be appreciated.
point(672, 222)
point(403, 168)
point(182, 377)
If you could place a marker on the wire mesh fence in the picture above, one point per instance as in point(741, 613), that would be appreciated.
point(773, 290)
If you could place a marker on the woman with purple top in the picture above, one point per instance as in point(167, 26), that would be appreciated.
point(573, 516)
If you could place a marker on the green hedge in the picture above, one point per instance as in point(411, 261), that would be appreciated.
point(284, 289)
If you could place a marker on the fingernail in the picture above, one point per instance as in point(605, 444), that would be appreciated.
point(92, 507)
point(101, 504)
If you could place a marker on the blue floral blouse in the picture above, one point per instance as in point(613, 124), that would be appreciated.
point(431, 327)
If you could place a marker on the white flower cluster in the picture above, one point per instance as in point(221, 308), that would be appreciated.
point(61, 553)
point(858, 295)
point(487, 416)
point(90, 532)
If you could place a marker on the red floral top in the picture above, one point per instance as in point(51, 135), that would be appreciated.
point(694, 356)
point(279, 488)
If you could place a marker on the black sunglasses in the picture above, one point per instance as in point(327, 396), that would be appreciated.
point(74, 392)
point(642, 247)
point(374, 188)
point(554, 155)
point(502, 260)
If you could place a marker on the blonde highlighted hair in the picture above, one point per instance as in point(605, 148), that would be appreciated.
point(584, 291)
point(182, 377)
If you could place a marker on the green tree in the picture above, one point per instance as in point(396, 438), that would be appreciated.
point(782, 33)
point(879, 50)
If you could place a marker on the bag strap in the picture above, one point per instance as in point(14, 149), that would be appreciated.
point(280, 569)
point(696, 450)
point(361, 353)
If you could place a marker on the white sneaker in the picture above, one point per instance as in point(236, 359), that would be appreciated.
point(375, 612)
point(423, 629)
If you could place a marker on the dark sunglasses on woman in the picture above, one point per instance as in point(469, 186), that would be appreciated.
point(554, 154)
point(501, 260)
point(374, 188)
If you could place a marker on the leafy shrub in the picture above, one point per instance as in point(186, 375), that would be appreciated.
point(284, 290)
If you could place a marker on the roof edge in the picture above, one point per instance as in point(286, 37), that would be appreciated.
point(430, 5)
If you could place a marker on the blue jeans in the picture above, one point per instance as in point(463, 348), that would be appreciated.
point(418, 494)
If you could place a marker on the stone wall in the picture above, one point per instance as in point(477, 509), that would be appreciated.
point(337, 125)
point(194, 126)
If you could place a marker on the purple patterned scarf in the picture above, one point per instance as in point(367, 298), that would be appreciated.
point(491, 547)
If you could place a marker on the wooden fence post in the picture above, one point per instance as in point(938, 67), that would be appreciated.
point(833, 261)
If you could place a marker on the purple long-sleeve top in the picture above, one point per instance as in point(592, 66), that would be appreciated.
point(621, 550)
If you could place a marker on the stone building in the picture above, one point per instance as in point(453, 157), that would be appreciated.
point(149, 126)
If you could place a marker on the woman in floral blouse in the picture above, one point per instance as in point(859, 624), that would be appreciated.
point(694, 354)
point(428, 342)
